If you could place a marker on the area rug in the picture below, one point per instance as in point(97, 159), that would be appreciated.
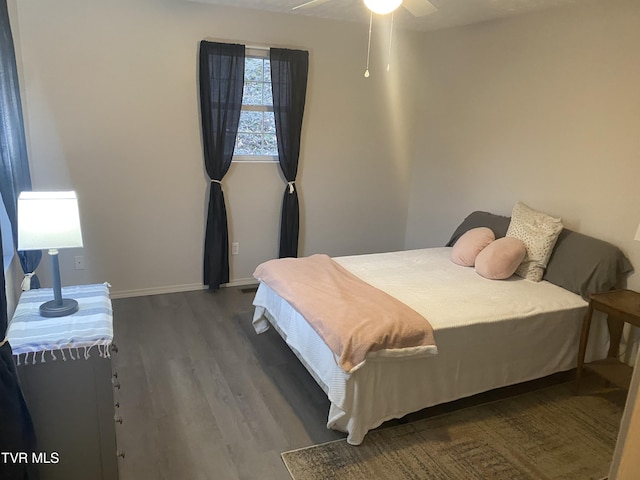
point(545, 434)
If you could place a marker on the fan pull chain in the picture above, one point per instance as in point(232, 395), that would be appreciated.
point(366, 72)
point(390, 40)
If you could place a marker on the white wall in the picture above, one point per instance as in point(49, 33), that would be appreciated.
point(112, 111)
point(542, 108)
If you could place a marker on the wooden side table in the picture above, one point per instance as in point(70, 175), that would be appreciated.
point(620, 306)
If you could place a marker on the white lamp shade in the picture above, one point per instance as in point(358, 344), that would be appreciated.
point(48, 220)
point(382, 6)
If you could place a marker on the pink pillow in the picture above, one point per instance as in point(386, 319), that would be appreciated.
point(469, 245)
point(501, 259)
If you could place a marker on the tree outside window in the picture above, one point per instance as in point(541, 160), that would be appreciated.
point(256, 140)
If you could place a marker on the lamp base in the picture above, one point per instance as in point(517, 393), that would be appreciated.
point(52, 308)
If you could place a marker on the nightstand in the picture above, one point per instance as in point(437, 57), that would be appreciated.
point(64, 368)
point(620, 306)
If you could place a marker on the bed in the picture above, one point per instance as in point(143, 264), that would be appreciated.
point(489, 333)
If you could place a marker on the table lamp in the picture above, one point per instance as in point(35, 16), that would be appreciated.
point(50, 220)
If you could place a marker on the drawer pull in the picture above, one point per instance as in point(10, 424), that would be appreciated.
point(117, 405)
point(116, 385)
point(115, 375)
point(114, 348)
point(118, 419)
point(120, 453)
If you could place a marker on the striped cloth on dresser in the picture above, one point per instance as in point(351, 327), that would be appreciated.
point(31, 335)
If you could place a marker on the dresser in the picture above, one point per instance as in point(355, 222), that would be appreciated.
point(64, 367)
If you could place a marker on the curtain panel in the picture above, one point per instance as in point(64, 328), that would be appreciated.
point(16, 428)
point(14, 164)
point(221, 78)
point(289, 72)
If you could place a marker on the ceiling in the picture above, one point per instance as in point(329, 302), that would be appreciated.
point(451, 13)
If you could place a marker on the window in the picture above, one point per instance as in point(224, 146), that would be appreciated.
point(256, 140)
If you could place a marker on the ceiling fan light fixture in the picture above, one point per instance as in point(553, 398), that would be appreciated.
point(382, 7)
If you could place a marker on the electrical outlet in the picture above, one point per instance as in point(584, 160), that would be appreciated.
point(235, 248)
point(79, 262)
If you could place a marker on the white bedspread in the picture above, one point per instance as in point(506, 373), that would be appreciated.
point(489, 334)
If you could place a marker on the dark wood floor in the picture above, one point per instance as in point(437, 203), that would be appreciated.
point(203, 397)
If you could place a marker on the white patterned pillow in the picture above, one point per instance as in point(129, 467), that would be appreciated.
point(539, 232)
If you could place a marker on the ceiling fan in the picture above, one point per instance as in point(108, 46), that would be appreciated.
point(418, 8)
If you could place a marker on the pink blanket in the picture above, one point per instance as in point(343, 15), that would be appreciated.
point(351, 316)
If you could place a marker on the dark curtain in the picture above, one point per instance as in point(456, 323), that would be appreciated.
point(221, 84)
point(14, 173)
point(289, 71)
point(16, 428)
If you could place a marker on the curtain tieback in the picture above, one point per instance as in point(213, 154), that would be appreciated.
point(291, 186)
point(26, 281)
point(6, 339)
point(216, 181)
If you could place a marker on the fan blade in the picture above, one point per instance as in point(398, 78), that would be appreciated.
point(419, 8)
point(312, 3)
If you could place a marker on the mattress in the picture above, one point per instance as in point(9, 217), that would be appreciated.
point(489, 334)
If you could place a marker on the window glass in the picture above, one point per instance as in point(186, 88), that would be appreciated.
point(256, 140)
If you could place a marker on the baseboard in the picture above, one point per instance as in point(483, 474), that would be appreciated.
point(143, 292)
point(241, 282)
